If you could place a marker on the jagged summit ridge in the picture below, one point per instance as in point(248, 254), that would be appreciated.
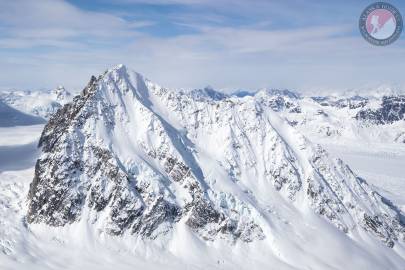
point(136, 194)
point(130, 156)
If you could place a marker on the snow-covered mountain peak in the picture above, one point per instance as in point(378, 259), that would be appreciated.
point(279, 92)
point(128, 157)
point(207, 93)
point(119, 68)
point(120, 73)
point(376, 92)
point(61, 93)
point(243, 93)
point(122, 80)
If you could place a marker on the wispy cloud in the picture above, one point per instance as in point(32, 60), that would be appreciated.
point(59, 42)
point(57, 23)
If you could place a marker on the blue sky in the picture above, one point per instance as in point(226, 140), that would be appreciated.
point(239, 44)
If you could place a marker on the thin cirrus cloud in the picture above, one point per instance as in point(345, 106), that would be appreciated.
point(59, 20)
point(192, 43)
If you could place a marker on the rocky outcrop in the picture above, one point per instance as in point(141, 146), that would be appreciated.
point(392, 109)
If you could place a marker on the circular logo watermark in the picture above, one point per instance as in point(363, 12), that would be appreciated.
point(381, 24)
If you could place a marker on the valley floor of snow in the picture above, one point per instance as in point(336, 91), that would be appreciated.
point(22, 247)
point(380, 164)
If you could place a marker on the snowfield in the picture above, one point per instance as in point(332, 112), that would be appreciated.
point(381, 164)
point(133, 175)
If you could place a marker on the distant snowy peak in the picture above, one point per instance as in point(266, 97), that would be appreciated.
point(39, 103)
point(372, 92)
point(352, 102)
point(208, 93)
point(380, 111)
point(279, 100)
point(242, 93)
point(61, 93)
point(283, 92)
point(352, 94)
point(128, 156)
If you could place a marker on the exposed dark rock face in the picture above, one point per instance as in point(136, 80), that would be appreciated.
point(400, 137)
point(392, 109)
point(281, 100)
point(57, 193)
point(279, 103)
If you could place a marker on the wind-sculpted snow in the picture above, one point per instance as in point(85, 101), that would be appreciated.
point(131, 157)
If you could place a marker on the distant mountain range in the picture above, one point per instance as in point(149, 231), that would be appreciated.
point(38, 103)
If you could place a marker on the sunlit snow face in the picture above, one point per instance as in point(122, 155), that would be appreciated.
point(381, 24)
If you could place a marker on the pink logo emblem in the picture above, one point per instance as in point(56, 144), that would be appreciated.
point(381, 24)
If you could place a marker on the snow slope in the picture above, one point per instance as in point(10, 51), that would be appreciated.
point(38, 103)
point(12, 117)
point(135, 175)
point(373, 144)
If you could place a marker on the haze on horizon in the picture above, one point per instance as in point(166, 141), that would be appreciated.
point(193, 43)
